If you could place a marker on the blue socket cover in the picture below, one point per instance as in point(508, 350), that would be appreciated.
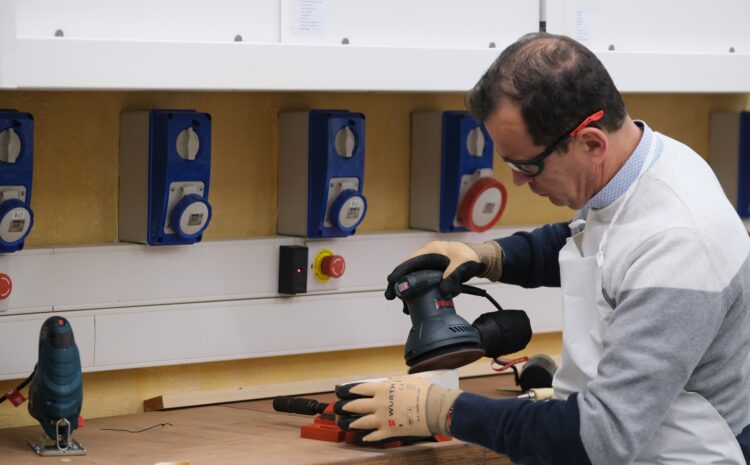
point(336, 165)
point(456, 161)
point(16, 168)
point(179, 175)
point(743, 184)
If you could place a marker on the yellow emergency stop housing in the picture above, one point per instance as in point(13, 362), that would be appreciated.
point(317, 265)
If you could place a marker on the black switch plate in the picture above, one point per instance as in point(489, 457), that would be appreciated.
point(292, 269)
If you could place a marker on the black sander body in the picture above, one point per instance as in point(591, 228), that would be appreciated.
point(441, 339)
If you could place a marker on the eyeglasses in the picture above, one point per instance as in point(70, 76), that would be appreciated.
point(534, 166)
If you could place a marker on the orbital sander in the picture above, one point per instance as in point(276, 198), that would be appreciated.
point(441, 339)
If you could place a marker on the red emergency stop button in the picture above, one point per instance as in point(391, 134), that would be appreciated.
point(333, 266)
point(6, 286)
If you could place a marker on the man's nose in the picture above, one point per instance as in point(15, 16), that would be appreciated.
point(519, 179)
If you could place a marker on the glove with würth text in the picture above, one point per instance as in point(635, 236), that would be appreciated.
point(400, 406)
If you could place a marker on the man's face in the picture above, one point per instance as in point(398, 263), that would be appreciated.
point(564, 177)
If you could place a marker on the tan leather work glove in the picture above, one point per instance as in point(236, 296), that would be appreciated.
point(491, 256)
point(458, 261)
point(400, 406)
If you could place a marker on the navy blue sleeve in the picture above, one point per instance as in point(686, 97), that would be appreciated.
point(528, 432)
point(530, 258)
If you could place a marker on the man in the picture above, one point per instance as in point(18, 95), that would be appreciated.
point(654, 271)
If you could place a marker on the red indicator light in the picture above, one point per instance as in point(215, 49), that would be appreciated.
point(60, 322)
point(299, 270)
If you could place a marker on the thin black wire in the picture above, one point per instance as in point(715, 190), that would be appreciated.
point(139, 431)
point(472, 290)
point(494, 302)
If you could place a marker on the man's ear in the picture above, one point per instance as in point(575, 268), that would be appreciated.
point(594, 143)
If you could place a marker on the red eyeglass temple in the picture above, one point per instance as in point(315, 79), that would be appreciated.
point(595, 117)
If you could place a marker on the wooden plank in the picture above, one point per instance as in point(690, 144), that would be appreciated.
point(213, 435)
point(494, 386)
point(244, 393)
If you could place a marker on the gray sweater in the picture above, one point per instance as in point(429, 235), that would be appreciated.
point(677, 279)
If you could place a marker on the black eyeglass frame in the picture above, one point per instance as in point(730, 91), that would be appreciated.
point(538, 161)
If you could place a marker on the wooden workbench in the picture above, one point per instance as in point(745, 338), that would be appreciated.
point(240, 433)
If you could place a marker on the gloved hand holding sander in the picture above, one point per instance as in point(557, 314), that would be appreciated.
point(439, 338)
point(458, 261)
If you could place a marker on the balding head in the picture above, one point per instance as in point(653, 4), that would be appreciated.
point(555, 81)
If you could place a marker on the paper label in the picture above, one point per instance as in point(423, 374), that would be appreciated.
point(308, 17)
point(584, 23)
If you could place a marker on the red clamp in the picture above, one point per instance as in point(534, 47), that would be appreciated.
point(324, 428)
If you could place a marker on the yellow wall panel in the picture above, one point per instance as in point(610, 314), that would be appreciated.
point(685, 117)
point(76, 159)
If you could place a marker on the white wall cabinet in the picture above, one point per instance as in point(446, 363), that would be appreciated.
point(359, 45)
point(665, 45)
point(418, 45)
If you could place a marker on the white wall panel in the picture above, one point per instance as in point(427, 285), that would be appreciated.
point(666, 26)
point(418, 45)
point(121, 338)
point(662, 46)
point(19, 342)
point(247, 329)
point(33, 276)
point(133, 305)
point(413, 23)
point(229, 330)
point(70, 63)
point(124, 275)
point(169, 20)
point(678, 72)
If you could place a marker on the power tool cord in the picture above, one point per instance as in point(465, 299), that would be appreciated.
point(20, 386)
point(472, 290)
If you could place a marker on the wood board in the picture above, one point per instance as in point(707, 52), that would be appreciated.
point(234, 434)
point(243, 393)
